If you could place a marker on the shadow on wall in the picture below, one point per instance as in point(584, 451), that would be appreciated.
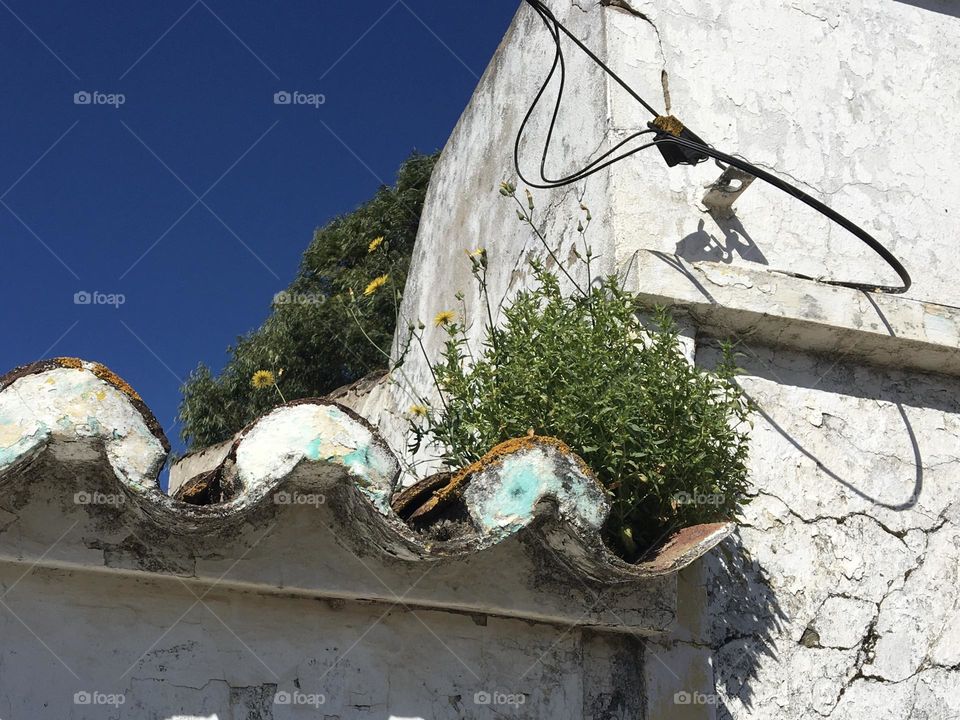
point(911, 498)
point(702, 245)
point(886, 387)
point(745, 617)
point(840, 379)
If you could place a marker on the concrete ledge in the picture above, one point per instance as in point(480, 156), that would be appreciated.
point(781, 310)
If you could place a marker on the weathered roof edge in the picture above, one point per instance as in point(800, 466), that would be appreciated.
point(536, 485)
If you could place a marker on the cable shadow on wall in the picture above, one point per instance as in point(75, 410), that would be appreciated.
point(885, 391)
point(911, 500)
point(744, 617)
point(882, 390)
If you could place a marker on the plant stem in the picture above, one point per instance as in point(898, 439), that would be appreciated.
point(528, 217)
point(486, 302)
point(463, 331)
point(433, 374)
point(369, 340)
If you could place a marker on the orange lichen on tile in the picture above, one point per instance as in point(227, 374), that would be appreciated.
point(102, 372)
point(107, 375)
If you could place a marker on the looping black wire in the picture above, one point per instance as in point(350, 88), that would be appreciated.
point(555, 27)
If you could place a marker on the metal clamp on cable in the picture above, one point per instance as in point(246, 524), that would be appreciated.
point(665, 125)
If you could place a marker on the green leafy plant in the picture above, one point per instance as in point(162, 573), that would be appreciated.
point(327, 329)
point(667, 439)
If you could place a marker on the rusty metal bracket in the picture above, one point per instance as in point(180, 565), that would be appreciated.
point(724, 191)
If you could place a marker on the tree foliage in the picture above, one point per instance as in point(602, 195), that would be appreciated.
point(325, 330)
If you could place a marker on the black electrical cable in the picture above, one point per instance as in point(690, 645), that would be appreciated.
point(677, 146)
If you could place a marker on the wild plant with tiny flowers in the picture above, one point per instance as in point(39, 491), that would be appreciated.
point(583, 367)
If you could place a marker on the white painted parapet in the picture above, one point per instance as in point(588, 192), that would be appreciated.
point(288, 543)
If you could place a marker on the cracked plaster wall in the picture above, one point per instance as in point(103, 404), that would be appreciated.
point(853, 102)
point(840, 597)
point(233, 655)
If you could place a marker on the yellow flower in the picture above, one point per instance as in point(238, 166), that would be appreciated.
point(376, 284)
point(418, 410)
point(476, 253)
point(375, 243)
point(262, 379)
point(444, 318)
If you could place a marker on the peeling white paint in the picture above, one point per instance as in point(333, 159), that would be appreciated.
point(74, 403)
point(281, 440)
point(838, 599)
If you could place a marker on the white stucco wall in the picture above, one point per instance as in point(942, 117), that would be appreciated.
point(855, 102)
point(146, 650)
point(839, 597)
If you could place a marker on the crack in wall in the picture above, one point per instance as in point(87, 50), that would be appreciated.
point(664, 75)
point(842, 519)
point(866, 648)
point(832, 25)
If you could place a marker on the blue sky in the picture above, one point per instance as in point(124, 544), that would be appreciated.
point(177, 182)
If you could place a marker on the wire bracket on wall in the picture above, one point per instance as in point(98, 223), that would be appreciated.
point(725, 190)
point(681, 146)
